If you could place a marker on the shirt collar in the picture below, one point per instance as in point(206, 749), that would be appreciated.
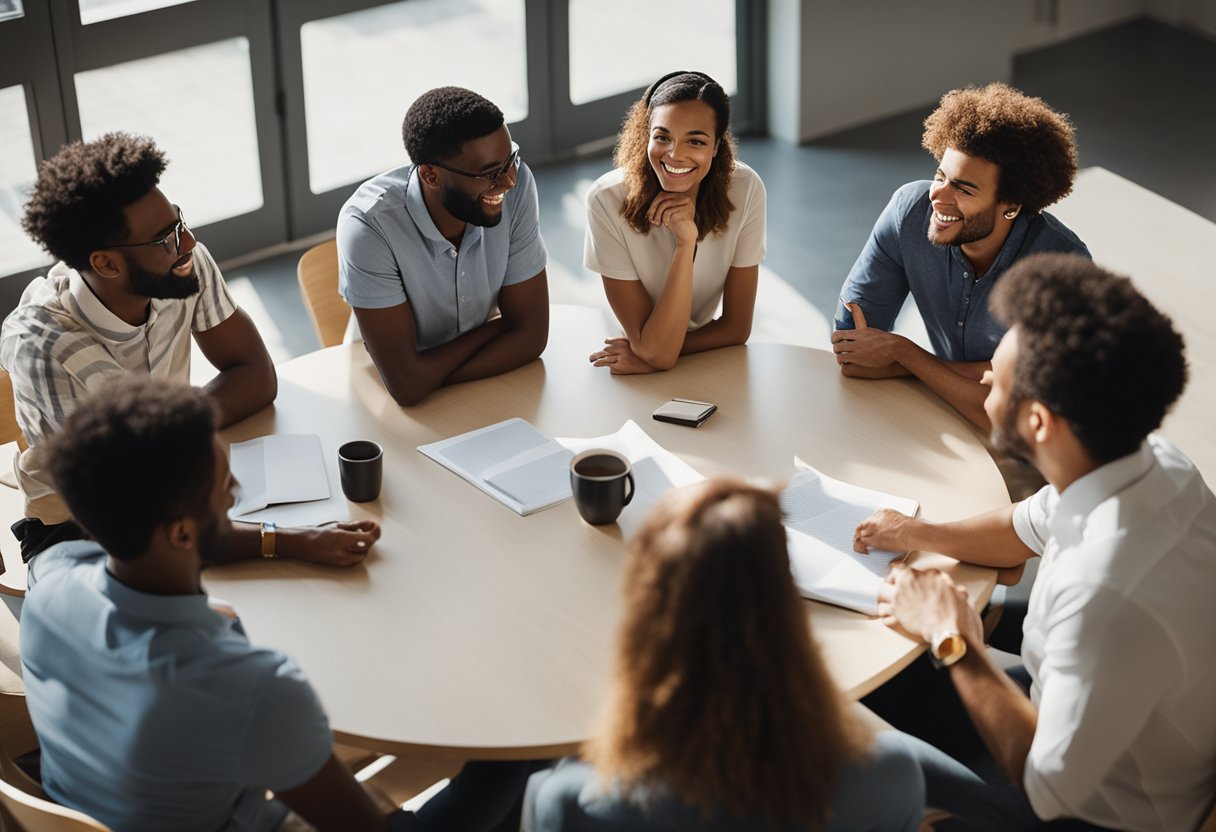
point(94, 314)
point(1079, 500)
point(416, 205)
point(161, 609)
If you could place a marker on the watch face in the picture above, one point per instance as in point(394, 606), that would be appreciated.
point(949, 648)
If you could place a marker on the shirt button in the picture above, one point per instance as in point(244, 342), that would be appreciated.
point(463, 298)
point(462, 274)
point(958, 323)
point(966, 275)
point(452, 252)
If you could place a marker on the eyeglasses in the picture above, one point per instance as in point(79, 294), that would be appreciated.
point(175, 235)
point(493, 177)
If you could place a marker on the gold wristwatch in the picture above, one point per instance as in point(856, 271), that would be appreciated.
point(269, 531)
point(947, 648)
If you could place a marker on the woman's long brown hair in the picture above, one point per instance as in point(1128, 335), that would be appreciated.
point(641, 183)
point(720, 696)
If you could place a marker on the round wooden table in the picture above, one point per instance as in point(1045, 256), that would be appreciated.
point(473, 632)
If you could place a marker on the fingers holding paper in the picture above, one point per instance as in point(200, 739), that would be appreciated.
point(884, 529)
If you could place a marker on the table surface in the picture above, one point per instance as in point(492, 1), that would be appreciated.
point(476, 632)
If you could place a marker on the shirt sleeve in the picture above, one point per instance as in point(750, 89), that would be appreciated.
point(1095, 701)
point(214, 304)
point(527, 256)
point(1032, 517)
point(750, 248)
point(604, 249)
point(877, 282)
point(287, 740)
point(368, 275)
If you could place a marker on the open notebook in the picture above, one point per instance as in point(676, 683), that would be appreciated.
point(821, 515)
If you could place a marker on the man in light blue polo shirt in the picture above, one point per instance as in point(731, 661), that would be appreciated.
point(152, 709)
point(1002, 158)
point(429, 252)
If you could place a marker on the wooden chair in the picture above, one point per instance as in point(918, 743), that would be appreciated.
point(318, 275)
point(9, 431)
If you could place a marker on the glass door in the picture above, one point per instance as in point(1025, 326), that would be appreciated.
point(199, 77)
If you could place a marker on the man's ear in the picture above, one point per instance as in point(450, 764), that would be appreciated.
point(105, 263)
point(1042, 422)
point(428, 175)
point(181, 533)
point(1010, 211)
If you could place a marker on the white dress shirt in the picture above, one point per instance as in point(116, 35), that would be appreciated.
point(1120, 643)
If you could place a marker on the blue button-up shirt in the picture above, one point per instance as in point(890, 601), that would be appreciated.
point(953, 301)
point(153, 711)
point(390, 252)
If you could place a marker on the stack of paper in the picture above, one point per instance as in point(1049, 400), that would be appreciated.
point(282, 478)
point(821, 515)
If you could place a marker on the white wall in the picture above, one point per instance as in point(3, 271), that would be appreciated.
point(855, 61)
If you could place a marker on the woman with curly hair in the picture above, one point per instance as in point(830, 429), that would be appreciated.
point(676, 229)
point(721, 714)
point(1001, 158)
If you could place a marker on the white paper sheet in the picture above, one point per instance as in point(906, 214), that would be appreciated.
point(821, 515)
point(281, 468)
point(511, 461)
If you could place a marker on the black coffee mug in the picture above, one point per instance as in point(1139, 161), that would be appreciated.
point(361, 466)
point(602, 483)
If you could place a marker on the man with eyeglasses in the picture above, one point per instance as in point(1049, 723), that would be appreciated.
point(442, 259)
point(133, 285)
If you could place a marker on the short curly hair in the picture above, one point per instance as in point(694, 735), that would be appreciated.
point(1031, 143)
point(134, 456)
point(441, 120)
point(641, 182)
point(1092, 349)
point(77, 201)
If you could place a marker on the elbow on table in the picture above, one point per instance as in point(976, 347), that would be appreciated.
point(660, 360)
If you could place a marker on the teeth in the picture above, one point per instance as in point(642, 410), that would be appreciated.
point(494, 200)
point(944, 217)
point(676, 171)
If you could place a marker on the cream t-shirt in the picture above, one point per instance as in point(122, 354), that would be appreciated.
point(615, 250)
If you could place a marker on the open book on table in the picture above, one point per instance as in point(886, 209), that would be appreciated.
point(821, 515)
point(527, 471)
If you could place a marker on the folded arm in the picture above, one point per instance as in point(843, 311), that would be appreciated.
point(247, 381)
point(523, 336)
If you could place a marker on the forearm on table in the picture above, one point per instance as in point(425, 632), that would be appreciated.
point(1002, 713)
point(720, 332)
point(242, 390)
point(663, 333)
point(986, 539)
point(410, 379)
point(956, 382)
point(513, 346)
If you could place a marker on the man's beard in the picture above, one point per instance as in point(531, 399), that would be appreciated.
point(215, 541)
point(467, 208)
point(161, 286)
point(975, 227)
point(1005, 437)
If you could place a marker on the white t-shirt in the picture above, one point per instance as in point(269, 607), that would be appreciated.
point(614, 249)
point(1120, 642)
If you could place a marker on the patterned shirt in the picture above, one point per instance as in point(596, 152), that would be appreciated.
point(61, 343)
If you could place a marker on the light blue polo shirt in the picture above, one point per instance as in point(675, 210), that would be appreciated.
point(953, 301)
point(153, 711)
point(390, 252)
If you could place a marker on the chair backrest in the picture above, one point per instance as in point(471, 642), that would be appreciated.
point(318, 274)
point(9, 431)
point(37, 814)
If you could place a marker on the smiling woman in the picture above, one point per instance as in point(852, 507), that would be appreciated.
point(676, 229)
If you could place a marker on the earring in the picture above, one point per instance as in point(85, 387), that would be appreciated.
point(1011, 214)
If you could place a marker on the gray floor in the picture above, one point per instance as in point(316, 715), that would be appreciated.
point(1141, 95)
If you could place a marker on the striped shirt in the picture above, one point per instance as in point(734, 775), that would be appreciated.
point(61, 343)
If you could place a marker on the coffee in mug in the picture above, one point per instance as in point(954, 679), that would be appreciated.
point(602, 482)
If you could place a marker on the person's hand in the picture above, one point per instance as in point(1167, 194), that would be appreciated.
point(620, 358)
point(677, 213)
point(924, 603)
point(884, 529)
point(333, 544)
point(864, 346)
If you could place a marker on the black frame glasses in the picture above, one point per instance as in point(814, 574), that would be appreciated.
point(492, 178)
point(163, 242)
